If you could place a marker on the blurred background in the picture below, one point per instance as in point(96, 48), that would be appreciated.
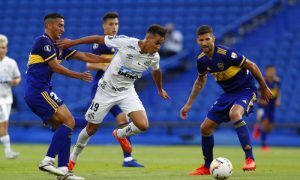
point(265, 31)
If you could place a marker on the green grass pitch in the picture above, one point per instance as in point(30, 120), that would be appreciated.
point(162, 162)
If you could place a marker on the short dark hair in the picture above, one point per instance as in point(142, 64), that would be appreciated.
point(53, 16)
point(157, 29)
point(110, 15)
point(203, 29)
point(269, 66)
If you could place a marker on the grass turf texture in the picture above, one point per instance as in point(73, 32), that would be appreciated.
point(162, 162)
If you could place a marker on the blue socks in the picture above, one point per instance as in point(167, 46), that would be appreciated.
point(244, 137)
point(61, 145)
point(207, 149)
point(80, 122)
point(263, 138)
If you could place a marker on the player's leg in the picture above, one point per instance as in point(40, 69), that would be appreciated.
point(4, 136)
point(122, 121)
point(207, 127)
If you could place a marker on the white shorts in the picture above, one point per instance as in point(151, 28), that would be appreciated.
point(128, 102)
point(4, 111)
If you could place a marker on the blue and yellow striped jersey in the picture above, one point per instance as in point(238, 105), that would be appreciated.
point(226, 67)
point(38, 72)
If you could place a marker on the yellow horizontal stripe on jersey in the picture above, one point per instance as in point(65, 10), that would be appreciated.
point(70, 54)
point(242, 61)
point(34, 59)
point(201, 55)
point(48, 100)
point(50, 57)
point(226, 74)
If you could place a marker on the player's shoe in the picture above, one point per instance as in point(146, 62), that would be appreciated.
point(125, 144)
point(256, 132)
point(12, 155)
point(249, 165)
point(71, 165)
point(202, 170)
point(131, 163)
point(266, 148)
point(49, 166)
point(69, 176)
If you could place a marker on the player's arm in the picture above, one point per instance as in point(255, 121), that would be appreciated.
point(90, 58)
point(96, 66)
point(16, 81)
point(157, 77)
point(197, 87)
point(66, 43)
point(56, 67)
point(266, 93)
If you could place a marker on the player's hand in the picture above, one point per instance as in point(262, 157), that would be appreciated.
point(64, 43)
point(266, 94)
point(86, 76)
point(164, 94)
point(184, 110)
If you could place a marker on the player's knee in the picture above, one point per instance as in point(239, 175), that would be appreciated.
point(91, 130)
point(143, 126)
point(235, 115)
point(205, 130)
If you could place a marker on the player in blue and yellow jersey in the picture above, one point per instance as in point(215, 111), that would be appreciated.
point(266, 111)
point(232, 72)
point(110, 26)
point(43, 61)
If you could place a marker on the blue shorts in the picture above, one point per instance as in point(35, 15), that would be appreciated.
point(43, 103)
point(219, 112)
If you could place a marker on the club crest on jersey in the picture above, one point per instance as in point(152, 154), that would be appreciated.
point(220, 66)
point(131, 47)
point(47, 48)
point(95, 46)
point(233, 55)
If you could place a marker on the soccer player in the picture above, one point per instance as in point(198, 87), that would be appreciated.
point(116, 87)
point(266, 111)
point(231, 72)
point(9, 76)
point(45, 59)
point(110, 26)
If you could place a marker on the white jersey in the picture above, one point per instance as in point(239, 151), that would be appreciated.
point(8, 71)
point(127, 65)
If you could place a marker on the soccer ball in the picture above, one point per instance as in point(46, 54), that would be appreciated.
point(220, 168)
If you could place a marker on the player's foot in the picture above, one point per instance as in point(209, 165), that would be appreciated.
point(12, 155)
point(49, 166)
point(69, 176)
point(265, 148)
point(249, 165)
point(131, 163)
point(125, 144)
point(202, 170)
point(256, 132)
point(71, 165)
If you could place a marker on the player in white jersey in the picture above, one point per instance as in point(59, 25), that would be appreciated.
point(116, 87)
point(9, 76)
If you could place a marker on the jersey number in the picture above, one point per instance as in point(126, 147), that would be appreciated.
point(94, 106)
point(54, 96)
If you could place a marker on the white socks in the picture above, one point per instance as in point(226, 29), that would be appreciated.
point(6, 143)
point(64, 169)
point(128, 130)
point(82, 141)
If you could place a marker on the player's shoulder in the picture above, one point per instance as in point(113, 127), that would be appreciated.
point(201, 56)
point(9, 60)
point(223, 50)
point(277, 79)
point(43, 39)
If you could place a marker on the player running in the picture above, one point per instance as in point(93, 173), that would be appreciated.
point(44, 59)
point(231, 72)
point(9, 76)
point(266, 111)
point(116, 87)
point(110, 26)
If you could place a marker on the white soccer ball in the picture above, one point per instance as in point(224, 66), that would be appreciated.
point(221, 168)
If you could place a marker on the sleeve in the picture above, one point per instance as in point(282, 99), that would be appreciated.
point(16, 72)
point(45, 49)
point(117, 41)
point(68, 53)
point(235, 58)
point(201, 67)
point(155, 65)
